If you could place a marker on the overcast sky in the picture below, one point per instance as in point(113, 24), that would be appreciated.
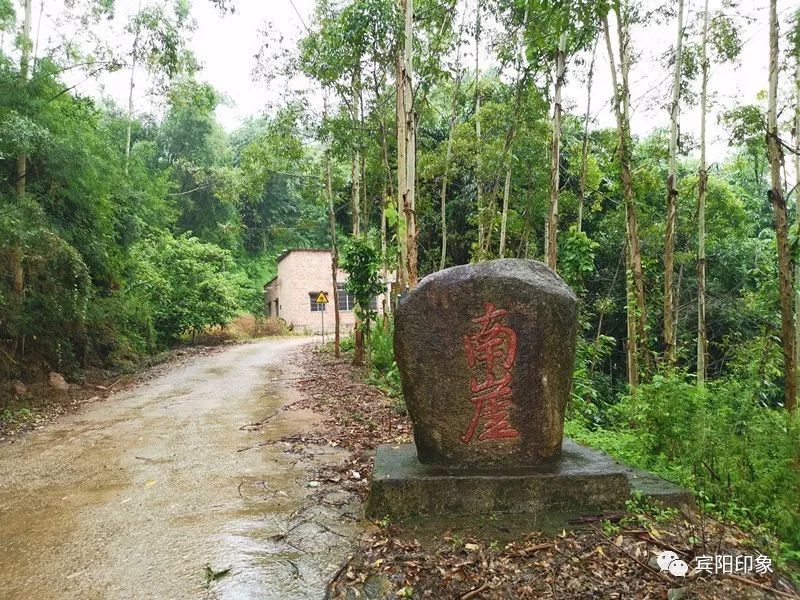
point(226, 47)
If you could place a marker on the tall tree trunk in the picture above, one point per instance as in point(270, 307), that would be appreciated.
point(478, 180)
point(16, 255)
point(334, 245)
point(447, 158)
point(781, 224)
point(585, 147)
point(24, 64)
point(355, 193)
point(797, 176)
point(518, 88)
point(406, 145)
point(555, 156)
point(672, 200)
point(131, 85)
point(365, 211)
point(402, 175)
point(387, 195)
point(636, 308)
point(355, 171)
point(504, 217)
point(334, 253)
point(702, 340)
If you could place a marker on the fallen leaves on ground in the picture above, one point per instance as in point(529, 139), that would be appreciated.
point(611, 556)
point(359, 417)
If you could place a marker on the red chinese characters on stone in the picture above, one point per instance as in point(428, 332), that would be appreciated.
point(490, 355)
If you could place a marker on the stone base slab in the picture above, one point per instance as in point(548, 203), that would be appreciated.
point(582, 481)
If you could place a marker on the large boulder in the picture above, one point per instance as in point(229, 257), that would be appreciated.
point(20, 389)
point(57, 381)
point(486, 353)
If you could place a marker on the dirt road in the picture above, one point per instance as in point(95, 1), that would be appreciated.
point(133, 497)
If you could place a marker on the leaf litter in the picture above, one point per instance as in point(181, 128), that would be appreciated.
point(499, 557)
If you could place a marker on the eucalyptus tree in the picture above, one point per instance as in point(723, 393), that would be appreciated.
point(636, 306)
point(702, 337)
point(406, 150)
point(725, 46)
point(794, 49)
point(457, 77)
point(585, 141)
point(512, 54)
point(778, 201)
point(558, 31)
point(672, 197)
point(25, 44)
point(526, 51)
point(425, 36)
point(158, 44)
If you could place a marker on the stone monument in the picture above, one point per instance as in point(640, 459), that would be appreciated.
point(485, 354)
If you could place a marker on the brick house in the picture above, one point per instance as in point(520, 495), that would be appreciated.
point(292, 294)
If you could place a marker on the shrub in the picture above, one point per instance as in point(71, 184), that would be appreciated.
point(739, 456)
point(120, 328)
point(189, 283)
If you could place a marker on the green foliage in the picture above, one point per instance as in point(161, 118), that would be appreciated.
point(362, 262)
point(740, 457)
point(107, 258)
point(121, 327)
point(189, 283)
point(576, 257)
point(384, 372)
point(44, 289)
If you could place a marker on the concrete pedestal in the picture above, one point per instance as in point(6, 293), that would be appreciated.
point(581, 481)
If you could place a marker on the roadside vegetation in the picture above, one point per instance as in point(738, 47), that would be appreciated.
point(429, 134)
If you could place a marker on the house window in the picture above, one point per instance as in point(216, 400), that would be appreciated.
point(347, 301)
point(315, 307)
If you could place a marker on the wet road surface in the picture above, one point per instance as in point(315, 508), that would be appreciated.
point(135, 496)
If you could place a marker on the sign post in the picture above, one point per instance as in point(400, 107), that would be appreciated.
point(322, 300)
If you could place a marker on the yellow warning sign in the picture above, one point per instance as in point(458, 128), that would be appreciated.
point(322, 298)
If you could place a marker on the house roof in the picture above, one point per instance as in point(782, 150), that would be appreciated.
point(286, 253)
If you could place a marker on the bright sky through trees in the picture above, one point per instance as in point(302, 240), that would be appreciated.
point(226, 45)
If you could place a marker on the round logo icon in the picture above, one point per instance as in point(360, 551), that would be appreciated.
point(678, 568)
point(668, 561)
point(664, 558)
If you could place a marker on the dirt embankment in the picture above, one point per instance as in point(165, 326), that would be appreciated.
point(30, 405)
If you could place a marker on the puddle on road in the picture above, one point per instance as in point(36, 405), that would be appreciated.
point(135, 496)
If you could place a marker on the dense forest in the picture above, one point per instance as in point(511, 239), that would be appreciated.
point(430, 134)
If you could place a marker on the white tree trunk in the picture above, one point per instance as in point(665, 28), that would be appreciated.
point(406, 150)
point(702, 341)
point(555, 156)
point(482, 233)
point(797, 184)
point(585, 147)
point(446, 174)
point(635, 305)
point(24, 67)
point(672, 201)
point(781, 224)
